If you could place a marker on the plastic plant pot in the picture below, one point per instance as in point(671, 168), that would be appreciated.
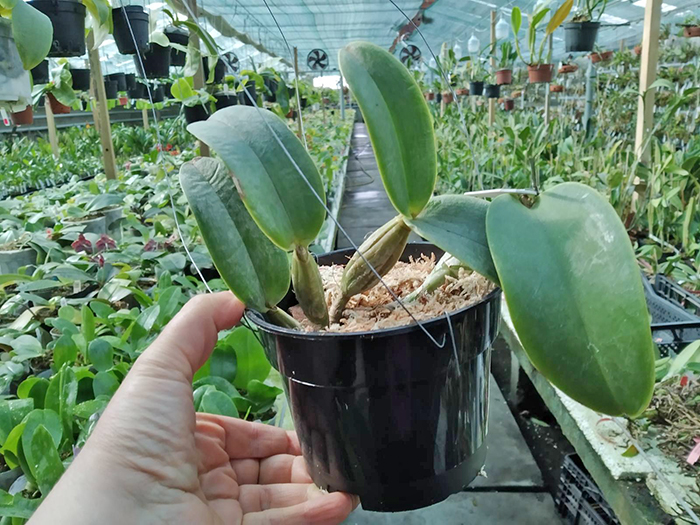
point(568, 68)
point(504, 77)
point(40, 73)
point(691, 31)
point(447, 97)
point(111, 91)
point(138, 20)
point(156, 62)
point(492, 90)
point(138, 92)
point(157, 93)
point(13, 260)
point(556, 88)
point(68, 20)
point(606, 55)
point(130, 79)
point(23, 118)
point(386, 414)
point(509, 104)
point(476, 88)
point(181, 37)
point(219, 70)
point(120, 79)
point(224, 100)
point(430, 96)
point(638, 50)
point(580, 36)
point(244, 99)
point(196, 113)
point(56, 107)
point(540, 73)
point(81, 79)
point(462, 92)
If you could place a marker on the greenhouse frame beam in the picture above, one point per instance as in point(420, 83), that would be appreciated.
point(647, 76)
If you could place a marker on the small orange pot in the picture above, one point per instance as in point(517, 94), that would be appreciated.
point(447, 97)
point(595, 58)
point(606, 55)
point(638, 50)
point(504, 77)
point(429, 96)
point(509, 104)
point(556, 88)
point(568, 68)
point(691, 31)
point(462, 92)
point(540, 73)
point(57, 107)
point(24, 117)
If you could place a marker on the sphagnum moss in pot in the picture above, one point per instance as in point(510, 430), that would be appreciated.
point(388, 414)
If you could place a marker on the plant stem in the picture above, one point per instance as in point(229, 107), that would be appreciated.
point(283, 319)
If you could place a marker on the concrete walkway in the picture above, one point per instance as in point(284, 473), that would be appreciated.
point(513, 491)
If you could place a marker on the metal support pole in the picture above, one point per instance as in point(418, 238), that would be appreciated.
point(342, 98)
point(591, 74)
point(198, 78)
point(104, 128)
point(492, 101)
point(647, 76)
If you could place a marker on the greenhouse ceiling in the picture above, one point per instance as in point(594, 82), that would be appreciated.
point(250, 29)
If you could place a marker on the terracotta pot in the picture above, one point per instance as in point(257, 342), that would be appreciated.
point(447, 97)
point(556, 88)
point(57, 107)
point(638, 50)
point(595, 58)
point(292, 113)
point(568, 68)
point(509, 104)
point(24, 117)
point(606, 55)
point(504, 76)
point(430, 96)
point(540, 73)
point(461, 92)
point(691, 31)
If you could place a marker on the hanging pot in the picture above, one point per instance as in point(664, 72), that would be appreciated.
point(56, 107)
point(509, 104)
point(606, 55)
point(691, 31)
point(180, 36)
point(244, 100)
point(196, 113)
point(430, 96)
point(638, 50)
point(568, 68)
point(138, 91)
point(556, 88)
point(219, 71)
point(81, 79)
point(539, 73)
point(461, 92)
point(130, 79)
point(156, 62)
point(23, 118)
point(138, 20)
point(504, 77)
point(157, 94)
point(384, 414)
point(492, 91)
point(580, 36)
point(40, 73)
point(111, 91)
point(68, 20)
point(119, 78)
point(225, 99)
point(447, 97)
point(476, 87)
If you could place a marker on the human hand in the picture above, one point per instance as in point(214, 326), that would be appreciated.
point(151, 459)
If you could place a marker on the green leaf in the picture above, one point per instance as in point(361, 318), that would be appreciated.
point(222, 362)
point(219, 383)
point(86, 409)
point(573, 289)
point(690, 354)
point(181, 89)
point(34, 388)
point(250, 357)
point(33, 34)
point(274, 192)
point(102, 310)
point(105, 384)
point(42, 458)
point(173, 262)
point(101, 355)
point(215, 402)
point(17, 506)
point(457, 224)
point(61, 396)
point(65, 350)
point(255, 270)
point(559, 16)
point(260, 393)
point(516, 20)
point(400, 126)
point(88, 323)
point(169, 302)
point(47, 419)
point(68, 313)
point(10, 448)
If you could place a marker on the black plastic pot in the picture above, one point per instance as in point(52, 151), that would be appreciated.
point(138, 92)
point(111, 91)
point(245, 99)
point(81, 79)
point(386, 414)
point(271, 84)
point(177, 36)
point(157, 94)
point(219, 70)
point(492, 90)
point(156, 62)
point(130, 79)
point(119, 78)
point(580, 36)
point(476, 88)
point(224, 100)
point(40, 74)
point(196, 113)
point(68, 20)
point(138, 21)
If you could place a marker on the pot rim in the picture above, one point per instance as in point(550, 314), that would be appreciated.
point(257, 319)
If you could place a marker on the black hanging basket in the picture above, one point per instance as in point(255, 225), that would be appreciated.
point(130, 79)
point(219, 70)
point(196, 113)
point(157, 93)
point(492, 90)
point(120, 79)
point(476, 88)
point(179, 36)
point(580, 36)
point(224, 100)
point(40, 74)
point(68, 20)
point(138, 20)
point(138, 91)
point(244, 99)
point(81, 79)
point(111, 91)
point(156, 62)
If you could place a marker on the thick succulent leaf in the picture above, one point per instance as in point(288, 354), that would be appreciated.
point(398, 121)
point(457, 224)
point(255, 270)
point(575, 295)
point(276, 195)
